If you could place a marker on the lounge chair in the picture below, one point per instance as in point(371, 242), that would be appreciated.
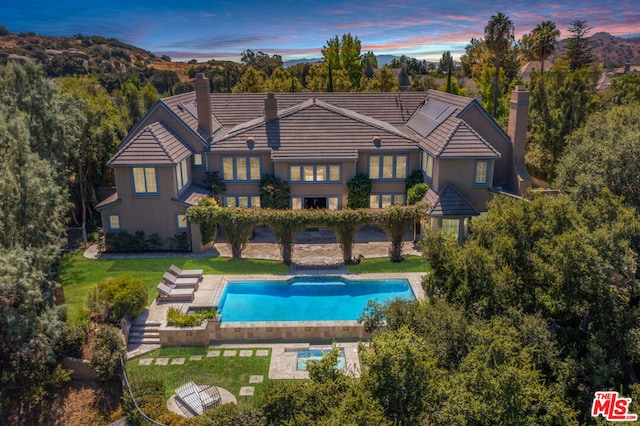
point(198, 399)
point(180, 282)
point(172, 294)
point(185, 273)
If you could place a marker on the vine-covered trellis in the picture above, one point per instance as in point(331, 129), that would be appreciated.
point(238, 224)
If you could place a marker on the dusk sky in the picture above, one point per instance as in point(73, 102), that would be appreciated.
point(222, 29)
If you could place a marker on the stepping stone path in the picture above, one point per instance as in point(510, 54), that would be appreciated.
point(256, 379)
point(229, 353)
point(247, 390)
point(177, 361)
point(195, 358)
point(213, 353)
point(145, 361)
point(246, 353)
point(162, 361)
point(262, 352)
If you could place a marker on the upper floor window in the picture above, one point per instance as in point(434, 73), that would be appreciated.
point(314, 173)
point(388, 167)
point(241, 168)
point(427, 165)
point(481, 173)
point(144, 180)
point(198, 160)
point(182, 174)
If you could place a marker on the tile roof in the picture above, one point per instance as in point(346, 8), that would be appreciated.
point(192, 194)
point(231, 109)
point(316, 129)
point(448, 202)
point(110, 200)
point(155, 144)
point(444, 133)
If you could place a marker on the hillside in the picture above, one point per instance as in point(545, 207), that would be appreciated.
point(83, 55)
point(610, 50)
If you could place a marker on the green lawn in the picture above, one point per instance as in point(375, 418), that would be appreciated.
point(230, 373)
point(78, 274)
point(383, 265)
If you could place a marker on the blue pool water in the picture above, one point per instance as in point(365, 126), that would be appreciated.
point(315, 355)
point(306, 298)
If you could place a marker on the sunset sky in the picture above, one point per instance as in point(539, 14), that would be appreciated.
point(299, 28)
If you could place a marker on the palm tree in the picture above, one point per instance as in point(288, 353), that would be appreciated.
point(498, 36)
point(544, 40)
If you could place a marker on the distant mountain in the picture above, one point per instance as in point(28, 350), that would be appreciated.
point(292, 62)
point(609, 50)
point(382, 60)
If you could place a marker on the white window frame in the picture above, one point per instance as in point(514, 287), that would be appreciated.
point(182, 174)
point(315, 173)
point(481, 177)
point(427, 165)
point(242, 200)
point(382, 200)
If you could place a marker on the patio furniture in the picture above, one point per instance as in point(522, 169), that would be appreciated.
point(170, 279)
point(173, 294)
point(198, 398)
point(185, 273)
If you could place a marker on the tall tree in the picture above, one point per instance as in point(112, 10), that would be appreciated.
point(101, 129)
point(604, 153)
point(498, 38)
point(344, 54)
point(543, 42)
point(252, 81)
point(383, 81)
point(261, 61)
point(579, 49)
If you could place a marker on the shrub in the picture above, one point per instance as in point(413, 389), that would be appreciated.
point(114, 298)
point(214, 182)
point(414, 178)
point(107, 346)
point(416, 192)
point(175, 318)
point(274, 193)
point(72, 340)
point(359, 191)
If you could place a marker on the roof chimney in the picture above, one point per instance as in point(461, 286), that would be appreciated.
point(203, 104)
point(270, 107)
point(518, 119)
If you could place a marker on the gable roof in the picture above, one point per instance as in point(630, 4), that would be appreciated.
point(444, 133)
point(155, 144)
point(315, 129)
point(448, 202)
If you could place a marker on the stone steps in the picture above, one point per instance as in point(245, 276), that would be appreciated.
point(145, 333)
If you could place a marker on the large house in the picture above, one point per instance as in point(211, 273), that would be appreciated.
point(317, 142)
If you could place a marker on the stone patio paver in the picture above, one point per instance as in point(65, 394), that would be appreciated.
point(246, 353)
point(145, 361)
point(256, 379)
point(195, 358)
point(162, 361)
point(247, 390)
point(262, 352)
point(213, 353)
point(229, 353)
point(177, 361)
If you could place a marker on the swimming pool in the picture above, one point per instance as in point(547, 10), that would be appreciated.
point(306, 298)
point(316, 354)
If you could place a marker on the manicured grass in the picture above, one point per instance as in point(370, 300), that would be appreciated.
point(230, 373)
point(383, 265)
point(78, 274)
